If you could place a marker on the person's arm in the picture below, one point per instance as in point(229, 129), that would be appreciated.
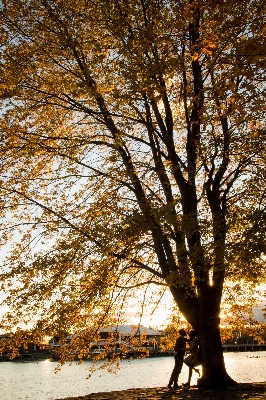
point(180, 345)
point(193, 345)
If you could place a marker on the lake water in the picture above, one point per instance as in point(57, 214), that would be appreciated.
point(37, 380)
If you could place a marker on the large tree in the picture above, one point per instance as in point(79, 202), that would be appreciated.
point(132, 153)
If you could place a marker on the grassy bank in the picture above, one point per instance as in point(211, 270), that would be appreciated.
point(247, 391)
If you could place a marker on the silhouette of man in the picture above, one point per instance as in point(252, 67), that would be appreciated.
point(180, 348)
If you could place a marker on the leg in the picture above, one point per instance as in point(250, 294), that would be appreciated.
point(179, 364)
point(189, 375)
point(171, 381)
point(176, 371)
point(197, 370)
point(172, 377)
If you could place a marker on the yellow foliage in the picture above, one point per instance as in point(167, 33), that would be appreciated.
point(132, 155)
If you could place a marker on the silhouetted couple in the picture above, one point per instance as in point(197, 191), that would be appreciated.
point(191, 361)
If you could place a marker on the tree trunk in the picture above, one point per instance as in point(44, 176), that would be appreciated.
point(214, 374)
point(211, 354)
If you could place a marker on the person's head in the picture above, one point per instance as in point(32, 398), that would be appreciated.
point(182, 332)
point(192, 334)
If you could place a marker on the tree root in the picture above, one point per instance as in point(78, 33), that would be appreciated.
point(222, 383)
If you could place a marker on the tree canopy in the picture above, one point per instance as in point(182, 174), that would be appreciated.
point(132, 154)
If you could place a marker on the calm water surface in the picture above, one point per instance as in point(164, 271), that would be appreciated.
point(38, 381)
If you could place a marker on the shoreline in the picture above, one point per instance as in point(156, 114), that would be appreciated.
point(42, 356)
point(247, 391)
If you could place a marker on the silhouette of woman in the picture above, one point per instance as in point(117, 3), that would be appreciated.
point(192, 360)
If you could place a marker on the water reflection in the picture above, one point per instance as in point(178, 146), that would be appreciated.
point(33, 380)
point(246, 366)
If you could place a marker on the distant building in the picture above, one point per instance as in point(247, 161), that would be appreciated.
point(120, 338)
point(126, 331)
point(129, 336)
